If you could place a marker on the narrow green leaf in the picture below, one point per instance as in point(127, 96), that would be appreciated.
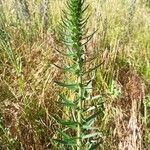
point(88, 38)
point(66, 102)
point(95, 146)
point(66, 136)
point(94, 68)
point(93, 116)
point(88, 125)
point(85, 8)
point(90, 128)
point(69, 86)
point(69, 123)
point(91, 135)
point(65, 142)
point(84, 21)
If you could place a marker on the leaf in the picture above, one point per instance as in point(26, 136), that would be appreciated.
point(60, 51)
point(93, 116)
point(85, 8)
point(90, 135)
point(90, 120)
point(66, 136)
point(88, 125)
point(84, 21)
point(69, 54)
point(94, 68)
point(88, 38)
point(66, 102)
point(65, 142)
point(69, 123)
point(69, 86)
point(95, 97)
point(71, 69)
point(95, 146)
point(90, 128)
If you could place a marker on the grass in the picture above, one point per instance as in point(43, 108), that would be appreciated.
point(28, 94)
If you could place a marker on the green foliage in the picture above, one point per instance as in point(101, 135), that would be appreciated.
point(75, 40)
point(6, 46)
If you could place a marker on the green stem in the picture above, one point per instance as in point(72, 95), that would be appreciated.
point(79, 128)
point(80, 82)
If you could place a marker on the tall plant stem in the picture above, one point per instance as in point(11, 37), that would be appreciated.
point(73, 25)
point(79, 129)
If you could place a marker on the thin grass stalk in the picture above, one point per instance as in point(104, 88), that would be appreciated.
point(131, 14)
point(45, 16)
point(25, 9)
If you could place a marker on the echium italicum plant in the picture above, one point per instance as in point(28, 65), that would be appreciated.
point(78, 132)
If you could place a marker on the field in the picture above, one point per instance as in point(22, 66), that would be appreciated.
point(32, 68)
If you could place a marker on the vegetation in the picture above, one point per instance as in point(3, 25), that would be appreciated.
point(74, 77)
